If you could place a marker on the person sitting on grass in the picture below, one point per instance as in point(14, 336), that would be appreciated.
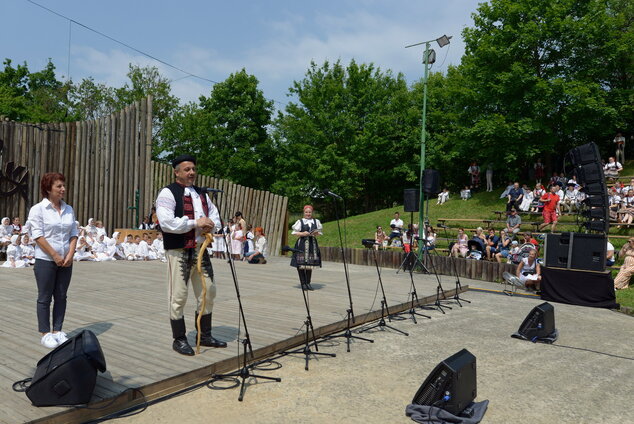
point(443, 196)
point(465, 193)
point(529, 271)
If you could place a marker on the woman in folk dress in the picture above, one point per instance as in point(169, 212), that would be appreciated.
point(307, 255)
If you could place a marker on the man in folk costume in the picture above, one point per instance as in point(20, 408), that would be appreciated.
point(185, 214)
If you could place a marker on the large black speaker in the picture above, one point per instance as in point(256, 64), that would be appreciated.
point(586, 153)
point(411, 199)
point(67, 375)
point(452, 385)
point(431, 181)
point(576, 251)
point(590, 173)
point(539, 325)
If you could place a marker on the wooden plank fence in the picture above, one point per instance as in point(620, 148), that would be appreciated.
point(467, 268)
point(106, 161)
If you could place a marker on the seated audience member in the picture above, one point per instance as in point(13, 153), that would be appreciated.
point(443, 196)
point(614, 205)
point(143, 252)
point(554, 179)
point(630, 186)
point(570, 198)
point(159, 250)
point(515, 196)
point(627, 208)
point(90, 227)
point(249, 244)
point(397, 223)
point(528, 238)
point(527, 201)
point(100, 249)
point(492, 243)
point(622, 279)
point(508, 188)
point(129, 248)
point(529, 271)
point(100, 229)
point(460, 247)
point(609, 254)
point(27, 250)
point(514, 254)
point(465, 193)
point(513, 223)
point(83, 251)
point(17, 226)
point(258, 254)
point(6, 231)
point(146, 224)
point(430, 236)
point(380, 238)
point(14, 254)
point(407, 239)
point(612, 169)
point(504, 246)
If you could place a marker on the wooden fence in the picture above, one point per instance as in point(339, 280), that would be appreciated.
point(467, 268)
point(106, 161)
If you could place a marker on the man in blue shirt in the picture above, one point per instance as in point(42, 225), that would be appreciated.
point(492, 244)
point(515, 196)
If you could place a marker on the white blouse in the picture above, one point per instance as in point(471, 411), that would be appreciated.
point(56, 228)
point(313, 223)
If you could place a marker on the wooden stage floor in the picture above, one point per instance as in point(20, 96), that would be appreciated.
point(125, 305)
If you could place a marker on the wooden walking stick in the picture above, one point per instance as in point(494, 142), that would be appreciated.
point(199, 266)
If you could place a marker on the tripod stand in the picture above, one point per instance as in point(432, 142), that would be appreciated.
point(411, 259)
point(245, 371)
point(456, 297)
point(306, 351)
point(349, 312)
point(439, 290)
point(414, 296)
point(384, 309)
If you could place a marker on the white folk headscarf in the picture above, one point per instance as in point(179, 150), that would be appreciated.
point(14, 239)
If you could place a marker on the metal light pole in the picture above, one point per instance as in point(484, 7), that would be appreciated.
point(429, 57)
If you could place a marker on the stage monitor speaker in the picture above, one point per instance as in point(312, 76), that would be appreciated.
point(586, 153)
point(590, 173)
point(452, 385)
point(67, 375)
point(578, 251)
point(431, 181)
point(411, 199)
point(539, 323)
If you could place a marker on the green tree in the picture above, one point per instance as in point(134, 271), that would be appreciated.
point(227, 131)
point(353, 130)
point(33, 96)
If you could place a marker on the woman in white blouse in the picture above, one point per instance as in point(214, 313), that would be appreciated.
point(258, 254)
point(306, 255)
point(55, 233)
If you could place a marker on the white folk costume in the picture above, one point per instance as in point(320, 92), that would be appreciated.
point(83, 251)
point(101, 250)
point(143, 252)
point(6, 230)
point(177, 208)
point(129, 250)
point(307, 255)
point(219, 241)
point(158, 249)
point(14, 254)
point(28, 252)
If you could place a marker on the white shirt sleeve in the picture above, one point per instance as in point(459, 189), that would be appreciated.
point(213, 213)
point(165, 205)
point(297, 227)
point(319, 226)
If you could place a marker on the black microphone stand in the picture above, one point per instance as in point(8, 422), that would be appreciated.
point(456, 297)
point(245, 371)
point(349, 312)
point(384, 309)
point(414, 296)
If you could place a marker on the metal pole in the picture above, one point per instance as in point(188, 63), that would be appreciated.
point(421, 209)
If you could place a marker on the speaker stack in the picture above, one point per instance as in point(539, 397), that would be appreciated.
point(577, 251)
point(586, 160)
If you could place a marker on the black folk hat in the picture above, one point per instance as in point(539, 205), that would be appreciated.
point(183, 158)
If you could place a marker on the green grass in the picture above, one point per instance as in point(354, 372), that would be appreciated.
point(481, 206)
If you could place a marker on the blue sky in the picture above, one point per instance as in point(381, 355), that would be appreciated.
point(273, 40)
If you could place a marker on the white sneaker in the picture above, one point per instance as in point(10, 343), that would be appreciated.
point(60, 336)
point(49, 340)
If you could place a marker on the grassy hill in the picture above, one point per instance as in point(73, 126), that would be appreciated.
point(481, 206)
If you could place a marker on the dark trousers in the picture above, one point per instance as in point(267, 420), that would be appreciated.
point(52, 282)
point(305, 275)
point(513, 204)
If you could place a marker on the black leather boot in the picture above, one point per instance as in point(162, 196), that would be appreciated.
point(206, 339)
point(180, 344)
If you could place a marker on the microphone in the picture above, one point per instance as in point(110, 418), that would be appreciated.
point(210, 190)
point(290, 249)
point(330, 193)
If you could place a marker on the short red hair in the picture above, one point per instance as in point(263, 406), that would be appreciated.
point(260, 229)
point(47, 181)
